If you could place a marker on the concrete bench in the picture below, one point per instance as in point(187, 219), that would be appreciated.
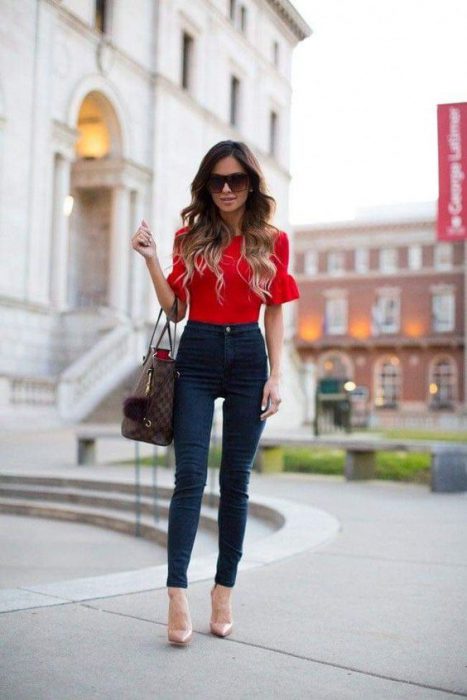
point(448, 460)
point(87, 436)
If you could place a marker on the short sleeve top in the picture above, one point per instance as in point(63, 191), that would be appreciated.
point(240, 303)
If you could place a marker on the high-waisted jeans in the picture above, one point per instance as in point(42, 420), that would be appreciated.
point(215, 360)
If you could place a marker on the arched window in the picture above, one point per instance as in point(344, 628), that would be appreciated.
point(443, 383)
point(336, 365)
point(388, 382)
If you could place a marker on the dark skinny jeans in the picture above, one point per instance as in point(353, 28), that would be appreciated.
point(215, 360)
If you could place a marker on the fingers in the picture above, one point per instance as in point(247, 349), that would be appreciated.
point(143, 236)
point(271, 403)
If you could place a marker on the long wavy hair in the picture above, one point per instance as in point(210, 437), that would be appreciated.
point(208, 234)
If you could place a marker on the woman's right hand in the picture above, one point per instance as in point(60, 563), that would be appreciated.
point(143, 242)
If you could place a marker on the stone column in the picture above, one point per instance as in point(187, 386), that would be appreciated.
point(120, 249)
point(137, 267)
point(60, 234)
point(308, 377)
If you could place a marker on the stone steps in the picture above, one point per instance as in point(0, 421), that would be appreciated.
point(103, 504)
point(113, 505)
point(109, 410)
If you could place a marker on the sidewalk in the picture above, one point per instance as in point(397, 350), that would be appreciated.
point(377, 611)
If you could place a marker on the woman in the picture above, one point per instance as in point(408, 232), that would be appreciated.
point(227, 261)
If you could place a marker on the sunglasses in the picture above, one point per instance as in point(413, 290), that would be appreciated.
point(236, 181)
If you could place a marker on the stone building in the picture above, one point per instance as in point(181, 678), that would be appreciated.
point(383, 305)
point(106, 109)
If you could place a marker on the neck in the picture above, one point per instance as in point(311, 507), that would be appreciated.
point(233, 221)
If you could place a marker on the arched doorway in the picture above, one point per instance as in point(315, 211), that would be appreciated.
point(92, 203)
point(335, 364)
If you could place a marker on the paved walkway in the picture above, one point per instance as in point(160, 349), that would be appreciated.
point(376, 611)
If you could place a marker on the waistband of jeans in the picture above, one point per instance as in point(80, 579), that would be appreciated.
point(222, 328)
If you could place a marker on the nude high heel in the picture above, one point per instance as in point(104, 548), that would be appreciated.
point(220, 629)
point(179, 637)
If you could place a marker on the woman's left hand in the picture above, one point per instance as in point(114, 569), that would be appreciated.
point(271, 398)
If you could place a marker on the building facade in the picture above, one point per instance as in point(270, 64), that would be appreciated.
point(383, 305)
point(106, 109)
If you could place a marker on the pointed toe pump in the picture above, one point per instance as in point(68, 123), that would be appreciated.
point(220, 629)
point(180, 637)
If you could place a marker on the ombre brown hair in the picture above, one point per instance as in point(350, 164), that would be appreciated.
point(208, 234)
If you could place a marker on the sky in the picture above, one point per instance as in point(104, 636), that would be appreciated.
point(365, 86)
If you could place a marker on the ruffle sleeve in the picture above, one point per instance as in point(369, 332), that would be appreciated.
point(283, 287)
point(178, 270)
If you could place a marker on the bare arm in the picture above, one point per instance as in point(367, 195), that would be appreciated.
point(164, 292)
point(143, 242)
point(274, 331)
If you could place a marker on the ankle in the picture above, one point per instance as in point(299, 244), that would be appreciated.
point(222, 594)
point(175, 593)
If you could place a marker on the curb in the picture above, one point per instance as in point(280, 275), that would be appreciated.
point(304, 528)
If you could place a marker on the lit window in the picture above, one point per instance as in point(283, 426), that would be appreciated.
point(388, 260)
point(95, 139)
point(362, 259)
point(388, 383)
point(415, 257)
point(335, 262)
point(443, 308)
point(311, 262)
point(385, 314)
point(335, 316)
point(443, 256)
point(443, 383)
point(187, 60)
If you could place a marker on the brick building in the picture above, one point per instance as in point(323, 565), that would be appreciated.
point(383, 304)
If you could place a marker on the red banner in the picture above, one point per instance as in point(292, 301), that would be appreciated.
point(452, 166)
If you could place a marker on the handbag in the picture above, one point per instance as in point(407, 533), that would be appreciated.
point(148, 410)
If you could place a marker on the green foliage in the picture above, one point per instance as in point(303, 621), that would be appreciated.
point(412, 434)
point(304, 459)
point(395, 466)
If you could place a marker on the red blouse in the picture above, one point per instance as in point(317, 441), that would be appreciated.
point(241, 304)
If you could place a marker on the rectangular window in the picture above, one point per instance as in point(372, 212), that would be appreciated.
point(335, 320)
point(443, 256)
point(187, 60)
point(234, 100)
point(311, 262)
point(243, 16)
point(415, 257)
point(232, 9)
point(100, 16)
point(275, 53)
point(388, 260)
point(443, 307)
point(362, 259)
point(335, 262)
point(272, 133)
point(386, 314)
